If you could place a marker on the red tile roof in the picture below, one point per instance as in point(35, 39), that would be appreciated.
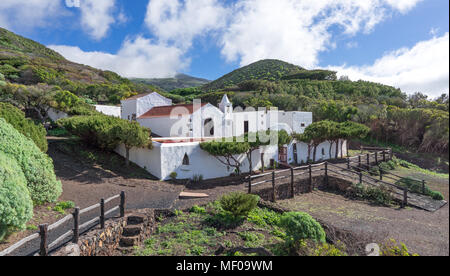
point(165, 111)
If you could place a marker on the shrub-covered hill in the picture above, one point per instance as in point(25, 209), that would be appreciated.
point(178, 82)
point(27, 62)
point(268, 69)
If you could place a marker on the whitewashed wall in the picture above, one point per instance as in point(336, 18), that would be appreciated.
point(302, 152)
point(146, 103)
point(164, 159)
point(148, 159)
point(128, 109)
point(109, 110)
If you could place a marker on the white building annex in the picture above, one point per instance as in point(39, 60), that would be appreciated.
point(178, 130)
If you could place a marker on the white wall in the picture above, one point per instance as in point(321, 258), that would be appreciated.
point(302, 151)
point(146, 103)
point(162, 126)
point(128, 109)
point(109, 110)
point(164, 159)
point(145, 158)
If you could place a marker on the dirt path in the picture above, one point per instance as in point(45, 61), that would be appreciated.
point(423, 232)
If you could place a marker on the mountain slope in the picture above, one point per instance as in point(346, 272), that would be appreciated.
point(268, 69)
point(179, 81)
point(24, 61)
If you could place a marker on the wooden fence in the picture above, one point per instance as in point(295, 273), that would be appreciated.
point(44, 229)
point(362, 160)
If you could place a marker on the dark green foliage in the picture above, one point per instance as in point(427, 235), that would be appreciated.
point(27, 127)
point(179, 82)
point(301, 226)
point(16, 207)
point(312, 75)
point(239, 204)
point(263, 70)
point(437, 195)
point(380, 195)
point(106, 132)
point(36, 166)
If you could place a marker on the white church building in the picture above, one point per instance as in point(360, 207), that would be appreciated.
point(178, 130)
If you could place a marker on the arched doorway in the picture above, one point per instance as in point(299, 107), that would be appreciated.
point(208, 128)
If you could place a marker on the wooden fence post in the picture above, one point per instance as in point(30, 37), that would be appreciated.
point(391, 154)
point(359, 161)
point(348, 163)
point(368, 161)
point(384, 155)
point(262, 162)
point(360, 177)
point(102, 213)
point(310, 179)
point(405, 197)
point(326, 174)
point(381, 174)
point(423, 187)
point(122, 204)
point(376, 158)
point(76, 225)
point(273, 187)
point(43, 232)
point(250, 183)
point(292, 183)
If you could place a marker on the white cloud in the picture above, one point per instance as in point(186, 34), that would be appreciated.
point(179, 22)
point(424, 68)
point(298, 30)
point(97, 16)
point(25, 14)
point(139, 58)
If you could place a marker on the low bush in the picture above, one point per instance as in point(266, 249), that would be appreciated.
point(239, 204)
point(392, 248)
point(198, 210)
point(379, 195)
point(437, 195)
point(36, 166)
point(27, 127)
point(16, 207)
point(173, 176)
point(301, 226)
point(263, 217)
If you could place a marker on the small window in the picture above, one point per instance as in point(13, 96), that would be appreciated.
point(323, 151)
point(133, 117)
point(303, 125)
point(186, 160)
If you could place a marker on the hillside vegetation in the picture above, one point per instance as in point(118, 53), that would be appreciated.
point(27, 62)
point(268, 69)
point(177, 82)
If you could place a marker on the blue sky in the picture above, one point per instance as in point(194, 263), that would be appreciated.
point(403, 43)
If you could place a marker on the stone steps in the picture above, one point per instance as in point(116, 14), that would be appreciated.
point(131, 235)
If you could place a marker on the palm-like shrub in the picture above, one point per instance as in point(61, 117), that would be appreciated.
point(27, 127)
point(36, 166)
point(301, 226)
point(16, 207)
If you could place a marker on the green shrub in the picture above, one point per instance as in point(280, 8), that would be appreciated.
point(173, 176)
point(198, 210)
point(27, 127)
point(300, 226)
point(374, 171)
point(36, 166)
point(385, 167)
point(239, 204)
point(437, 195)
point(16, 207)
point(392, 248)
point(414, 186)
point(263, 217)
point(379, 195)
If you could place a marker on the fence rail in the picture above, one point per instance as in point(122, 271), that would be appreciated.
point(44, 229)
point(376, 156)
